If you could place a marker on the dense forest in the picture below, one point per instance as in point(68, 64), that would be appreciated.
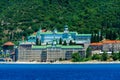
point(20, 18)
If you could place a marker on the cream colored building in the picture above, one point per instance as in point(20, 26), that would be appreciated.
point(49, 53)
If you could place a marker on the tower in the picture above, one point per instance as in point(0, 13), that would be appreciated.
point(38, 36)
point(66, 29)
point(66, 32)
point(55, 31)
point(38, 33)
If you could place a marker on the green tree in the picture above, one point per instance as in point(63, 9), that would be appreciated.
point(104, 56)
point(7, 55)
point(88, 52)
point(94, 16)
point(115, 56)
point(60, 41)
point(76, 57)
point(40, 42)
point(96, 57)
point(92, 38)
point(119, 56)
point(37, 42)
point(101, 37)
point(70, 43)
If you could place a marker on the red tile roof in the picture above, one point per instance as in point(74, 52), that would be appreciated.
point(118, 41)
point(43, 30)
point(96, 44)
point(105, 42)
point(8, 44)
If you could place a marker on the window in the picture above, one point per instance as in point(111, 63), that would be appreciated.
point(30, 38)
point(33, 37)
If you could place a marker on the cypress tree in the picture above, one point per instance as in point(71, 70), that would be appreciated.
point(101, 37)
point(95, 38)
point(40, 42)
point(60, 41)
point(92, 38)
point(65, 43)
point(88, 52)
point(70, 43)
point(37, 41)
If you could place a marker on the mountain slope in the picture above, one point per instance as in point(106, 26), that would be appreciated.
point(21, 18)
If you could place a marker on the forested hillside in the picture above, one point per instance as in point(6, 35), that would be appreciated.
point(22, 17)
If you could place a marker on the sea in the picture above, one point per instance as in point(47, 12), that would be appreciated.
point(59, 71)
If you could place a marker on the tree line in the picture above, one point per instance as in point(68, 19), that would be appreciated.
point(76, 57)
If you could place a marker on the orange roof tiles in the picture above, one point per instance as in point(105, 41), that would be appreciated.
point(8, 44)
point(96, 44)
point(105, 42)
point(118, 41)
point(43, 30)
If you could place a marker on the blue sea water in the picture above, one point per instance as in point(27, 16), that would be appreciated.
point(59, 71)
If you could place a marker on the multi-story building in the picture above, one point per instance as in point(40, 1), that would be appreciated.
point(50, 47)
point(111, 45)
point(96, 47)
point(48, 53)
point(8, 51)
point(48, 37)
point(108, 46)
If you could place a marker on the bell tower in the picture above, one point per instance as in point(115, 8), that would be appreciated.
point(66, 29)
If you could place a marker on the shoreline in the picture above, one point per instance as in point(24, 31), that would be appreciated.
point(89, 62)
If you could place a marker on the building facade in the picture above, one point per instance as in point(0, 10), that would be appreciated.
point(109, 46)
point(8, 51)
point(53, 46)
point(29, 53)
point(66, 35)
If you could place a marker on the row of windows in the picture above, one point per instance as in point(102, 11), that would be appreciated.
point(51, 50)
point(32, 37)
